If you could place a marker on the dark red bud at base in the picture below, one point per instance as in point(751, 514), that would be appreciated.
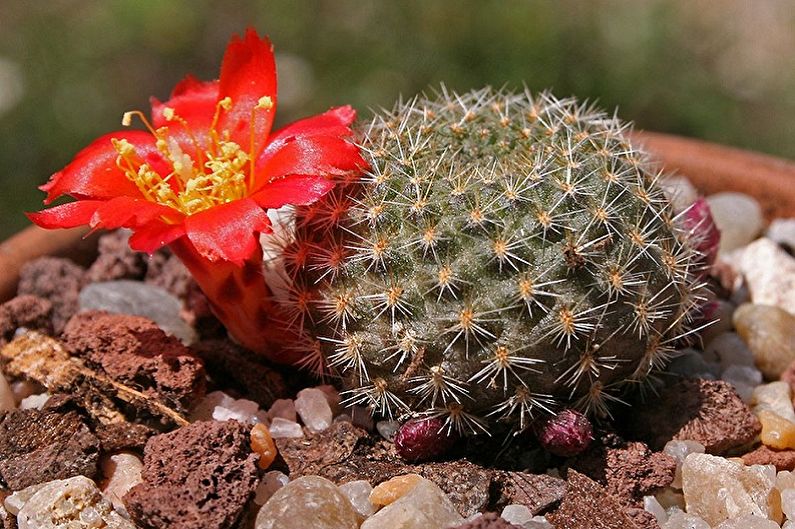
point(423, 440)
point(566, 434)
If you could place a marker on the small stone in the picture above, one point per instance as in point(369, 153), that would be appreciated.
point(393, 489)
point(423, 439)
point(426, 506)
point(122, 472)
point(7, 400)
point(34, 402)
point(730, 350)
point(309, 501)
point(314, 410)
point(737, 216)
point(651, 505)
point(262, 443)
point(769, 274)
point(670, 498)
point(242, 410)
point(706, 411)
point(490, 520)
point(321, 452)
point(769, 333)
point(387, 429)
point(679, 450)
point(30, 312)
point(271, 482)
point(537, 492)
point(72, 503)
point(358, 493)
point(679, 191)
point(587, 505)
point(749, 522)
point(717, 489)
point(788, 503)
point(764, 455)
point(333, 397)
point(139, 299)
point(116, 260)
point(283, 408)
point(38, 446)
point(200, 476)
point(58, 281)
point(774, 397)
point(777, 432)
point(743, 379)
point(683, 520)
point(517, 515)
point(782, 232)
point(284, 429)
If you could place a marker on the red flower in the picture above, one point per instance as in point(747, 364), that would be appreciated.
point(207, 166)
point(200, 178)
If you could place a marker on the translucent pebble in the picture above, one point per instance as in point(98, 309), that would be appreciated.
point(788, 503)
point(284, 408)
point(789, 524)
point(358, 493)
point(203, 411)
point(769, 273)
point(270, 483)
point(722, 321)
point(670, 498)
point(650, 504)
point(122, 472)
point(390, 490)
point(679, 450)
point(717, 489)
point(737, 216)
point(730, 350)
point(777, 432)
point(7, 400)
point(782, 232)
point(262, 444)
point(17, 500)
point(314, 410)
point(332, 396)
point(749, 522)
point(309, 501)
point(769, 333)
point(774, 397)
point(785, 480)
point(744, 379)
point(139, 299)
point(426, 506)
point(61, 504)
point(34, 402)
point(282, 428)
point(517, 514)
point(387, 429)
point(683, 520)
point(242, 410)
point(679, 191)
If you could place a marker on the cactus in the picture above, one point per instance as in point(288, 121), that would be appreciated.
point(506, 253)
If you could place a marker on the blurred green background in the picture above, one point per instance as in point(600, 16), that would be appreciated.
point(722, 70)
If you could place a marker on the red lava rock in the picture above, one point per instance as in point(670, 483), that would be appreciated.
point(200, 476)
point(489, 520)
point(587, 505)
point(136, 352)
point(707, 411)
point(537, 492)
point(565, 434)
point(422, 440)
point(116, 260)
point(27, 311)
point(642, 518)
point(628, 471)
point(58, 281)
point(763, 455)
point(43, 445)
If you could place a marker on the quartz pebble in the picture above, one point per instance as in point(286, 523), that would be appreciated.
point(679, 191)
point(516, 514)
point(262, 443)
point(358, 493)
point(393, 489)
point(122, 472)
point(769, 333)
point(777, 432)
point(282, 428)
point(314, 410)
point(717, 489)
point(652, 505)
point(270, 483)
point(426, 506)
point(139, 299)
point(737, 216)
point(788, 503)
point(34, 402)
point(218, 406)
point(67, 504)
point(683, 520)
point(387, 429)
point(744, 379)
point(782, 231)
point(679, 450)
point(309, 501)
point(769, 273)
point(774, 397)
point(730, 350)
point(283, 408)
point(749, 522)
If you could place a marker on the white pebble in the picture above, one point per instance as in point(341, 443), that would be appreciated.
point(282, 428)
point(314, 410)
point(682, 520)
point(270, 483)
point(284, 408)
point(679, 191)
point(516, 514)
point(785, 480)
point(387, 429)
point(650, 504)
point(744, 379)
point(242, 410)
point(788, 503)
point(749, 521)
point(774, 397)
point(679, 450)
point(34, 402)
point(358, 493)
point(731, 350)
point(782, 231)
point(737, 216)
point(7, 400)
point(122, 472)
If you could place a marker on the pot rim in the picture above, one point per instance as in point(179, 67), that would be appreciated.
point(709, 166)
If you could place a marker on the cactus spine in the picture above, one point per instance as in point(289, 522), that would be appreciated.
point(505, 253)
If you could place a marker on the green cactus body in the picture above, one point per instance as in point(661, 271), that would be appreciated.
point(503, 255)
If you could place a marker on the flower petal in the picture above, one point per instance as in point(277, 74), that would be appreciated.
point(129, 212)
point(296, 190)
point(93, 172)
point(228, 232)
point(68, 215)
point(248, 73)
point(153, 235)
point(335, 122)
point(192, 100)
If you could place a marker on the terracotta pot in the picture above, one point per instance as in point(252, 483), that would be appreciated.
point(710, 167)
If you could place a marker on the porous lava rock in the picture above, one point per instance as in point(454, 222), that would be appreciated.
point(489, 520)
point(134, 351)
point(43, 445)
point(707, 411)
point(116, 260)
point(57, 280)
point(31, 312)
point(200, 476)
point(587, 505)
point(537, 492)
point(764, 455)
